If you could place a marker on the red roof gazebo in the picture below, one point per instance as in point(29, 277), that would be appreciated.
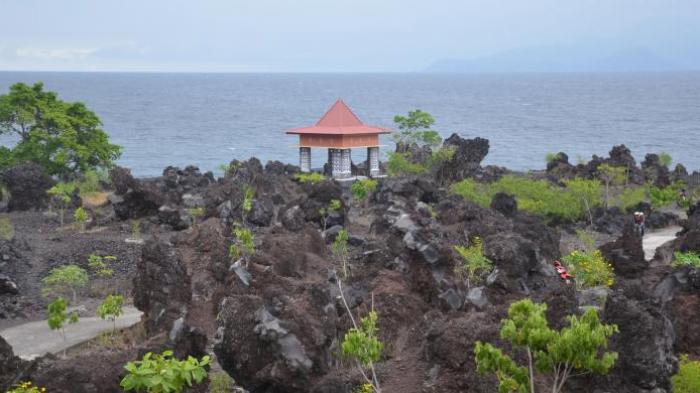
point(340, 130)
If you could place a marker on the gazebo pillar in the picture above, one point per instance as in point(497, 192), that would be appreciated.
point(305, 159)
point(340, 162)
point(373, 160)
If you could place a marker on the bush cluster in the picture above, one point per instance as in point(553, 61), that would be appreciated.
point(362, 188)
point(160, 373)
point(26, 387)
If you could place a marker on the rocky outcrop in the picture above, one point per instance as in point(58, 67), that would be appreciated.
point(626, 253)
point(27, 185)
point(466, 160)
point(12, 368)
point(655, 172)
point(644, 344)
point(162, 288)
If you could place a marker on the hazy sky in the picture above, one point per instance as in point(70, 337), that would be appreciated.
point(325, 35)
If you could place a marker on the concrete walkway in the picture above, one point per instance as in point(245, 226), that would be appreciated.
point(34, 339)
point(654, 239)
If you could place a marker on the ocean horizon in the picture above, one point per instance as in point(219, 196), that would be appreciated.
point(208, 119)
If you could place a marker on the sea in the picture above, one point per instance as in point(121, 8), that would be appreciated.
point(207, 120)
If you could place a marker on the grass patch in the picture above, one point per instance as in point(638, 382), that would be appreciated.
point(312, 177)
point(537, 196)
point(7, 230)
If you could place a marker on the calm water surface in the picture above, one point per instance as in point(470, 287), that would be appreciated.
point(209, 119)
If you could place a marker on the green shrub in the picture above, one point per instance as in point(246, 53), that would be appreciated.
point(26, 387)
point(63, 279)
point(362, 188)
point(629, 198)
point(310, 177)
point(688, 258)
point(475, 266)
point(220, 382)
point(661, 197)
point(80, 216)
point(579, 347)
point(589, 268)
point(97, 264)
point(398, 164)
point(688, 378)
point(136, 230)
point(7, 230)
point(333, 206)
point(163, 373)
point(244, 243)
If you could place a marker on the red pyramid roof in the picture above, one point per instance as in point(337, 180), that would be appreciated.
point(339, 120)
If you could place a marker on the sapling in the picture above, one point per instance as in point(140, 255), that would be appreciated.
point(247, 204)
point(58, 317)
point(63, 279)
point(80, 216)
point(333, 206)
point(611, 176)
point(340, 250)
point(361, 343)
point(111, 308)
point(61, 194)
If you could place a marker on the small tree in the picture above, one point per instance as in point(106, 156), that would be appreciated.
point(164, 373)
point(576, 347)
point(61, 195)
point(58, 317)
point(586, 194)
point(340, 250)
point(65, 278)
point(475, 266)
point(80, 216)
point(611, 176)
point(416, 128)
point(665, 159)
point(111, 308)
point(333, 206)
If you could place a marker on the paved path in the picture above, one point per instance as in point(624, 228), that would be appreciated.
point(654, 239)
point(34, 339)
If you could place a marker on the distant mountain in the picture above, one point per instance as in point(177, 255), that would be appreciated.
point(560, 59)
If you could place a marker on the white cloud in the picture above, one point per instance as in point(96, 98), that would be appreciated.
point(54, 53)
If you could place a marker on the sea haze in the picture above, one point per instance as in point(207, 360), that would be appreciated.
point(210, 119)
